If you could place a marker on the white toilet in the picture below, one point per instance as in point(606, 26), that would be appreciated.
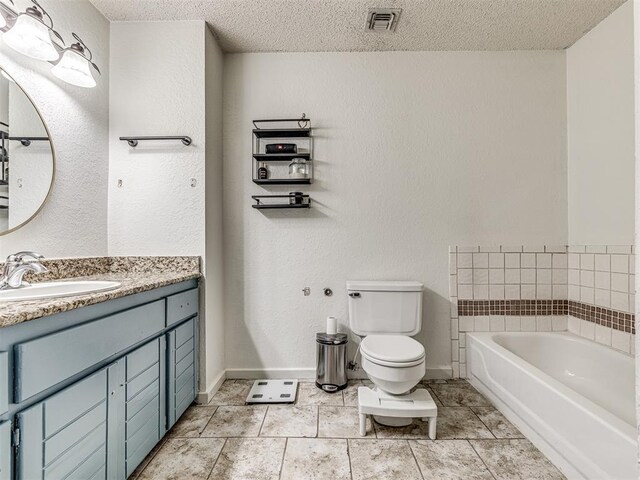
point(387, 314)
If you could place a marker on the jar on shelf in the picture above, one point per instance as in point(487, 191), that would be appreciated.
point(298, 168)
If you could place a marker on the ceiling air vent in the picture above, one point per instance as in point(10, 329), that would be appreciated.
point(383, 19)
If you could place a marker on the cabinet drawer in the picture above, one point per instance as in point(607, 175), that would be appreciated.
point(46, 361)
point(182, 305)
point(4, 383)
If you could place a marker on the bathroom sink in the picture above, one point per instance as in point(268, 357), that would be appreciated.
point(39, 291)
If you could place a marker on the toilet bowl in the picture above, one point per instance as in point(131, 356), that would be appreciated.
point(394, 363)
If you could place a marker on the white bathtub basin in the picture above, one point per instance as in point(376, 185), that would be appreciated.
point(572, 397)
point(40, 291)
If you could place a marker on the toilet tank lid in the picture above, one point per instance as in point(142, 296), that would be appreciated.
point(384, 286)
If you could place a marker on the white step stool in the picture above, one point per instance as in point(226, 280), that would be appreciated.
point(418, 404)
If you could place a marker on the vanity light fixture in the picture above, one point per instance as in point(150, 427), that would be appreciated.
point(3, 13)
point(31, 36)
point(31, 33)
point(75, 65)
point(6, 76)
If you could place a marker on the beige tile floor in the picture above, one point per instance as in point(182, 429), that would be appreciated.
point(317, 438)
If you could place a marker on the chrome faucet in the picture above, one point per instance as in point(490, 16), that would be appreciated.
point(15, 267)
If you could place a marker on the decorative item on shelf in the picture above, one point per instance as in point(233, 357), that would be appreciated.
point(296, 198)
point(32, 34)
point(263, 172)
point(281, 148)
point(298, 168)
point(296, 148)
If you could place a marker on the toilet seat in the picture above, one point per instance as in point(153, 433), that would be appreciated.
point(392, 350)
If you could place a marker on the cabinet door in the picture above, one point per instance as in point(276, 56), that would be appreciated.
point(181, 380)
point(144, 401)
point(65, 436)
point(5, 451)
point(4, 382)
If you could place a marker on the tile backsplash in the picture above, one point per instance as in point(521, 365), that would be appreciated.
point(602, 276)
point(588, 290)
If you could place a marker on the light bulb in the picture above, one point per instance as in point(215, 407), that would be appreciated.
point(31, 38)
point(73, 68)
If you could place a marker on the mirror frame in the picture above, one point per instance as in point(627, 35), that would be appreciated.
point(53, 157)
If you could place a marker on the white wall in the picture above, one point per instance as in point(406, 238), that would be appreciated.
point(414, 152)
point(600, 115)
point(74, 220)
point(157, 89)
point(214, 255)
point(170, 84)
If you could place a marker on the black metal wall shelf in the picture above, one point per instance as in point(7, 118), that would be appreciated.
point(280, 157)
point(281, 132)
point(265, 206)
point(283, 181)
point(291, 128)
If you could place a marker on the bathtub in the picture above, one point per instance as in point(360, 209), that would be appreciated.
point(573, 398)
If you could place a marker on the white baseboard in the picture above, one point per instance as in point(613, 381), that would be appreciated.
point(257, 373)
point(310, 373)
point(204, 398)
point(440, 373)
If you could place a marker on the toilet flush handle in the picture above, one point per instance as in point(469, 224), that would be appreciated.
point(354, 294)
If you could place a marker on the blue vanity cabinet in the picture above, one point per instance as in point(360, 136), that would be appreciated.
point(5, 451)
point(182, 369)
point(4, 382)
point(5, 427)
point(87, 394)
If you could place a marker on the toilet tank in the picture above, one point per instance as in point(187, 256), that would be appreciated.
point(391, 307)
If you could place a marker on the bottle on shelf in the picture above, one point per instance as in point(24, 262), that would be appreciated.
point(263, 172)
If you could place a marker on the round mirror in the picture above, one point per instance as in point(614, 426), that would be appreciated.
point(26, 157)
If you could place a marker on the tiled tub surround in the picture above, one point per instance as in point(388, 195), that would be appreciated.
point(523, 288)
point(136, 274)
point(601, 290)
point(317, 438)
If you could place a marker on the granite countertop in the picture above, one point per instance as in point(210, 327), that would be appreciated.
point(136, 274)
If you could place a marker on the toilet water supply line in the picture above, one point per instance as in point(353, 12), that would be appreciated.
point(354, 365)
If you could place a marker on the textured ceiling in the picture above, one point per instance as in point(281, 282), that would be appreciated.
point(338, 25)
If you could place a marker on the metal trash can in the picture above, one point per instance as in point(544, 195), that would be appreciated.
point(331, 357)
